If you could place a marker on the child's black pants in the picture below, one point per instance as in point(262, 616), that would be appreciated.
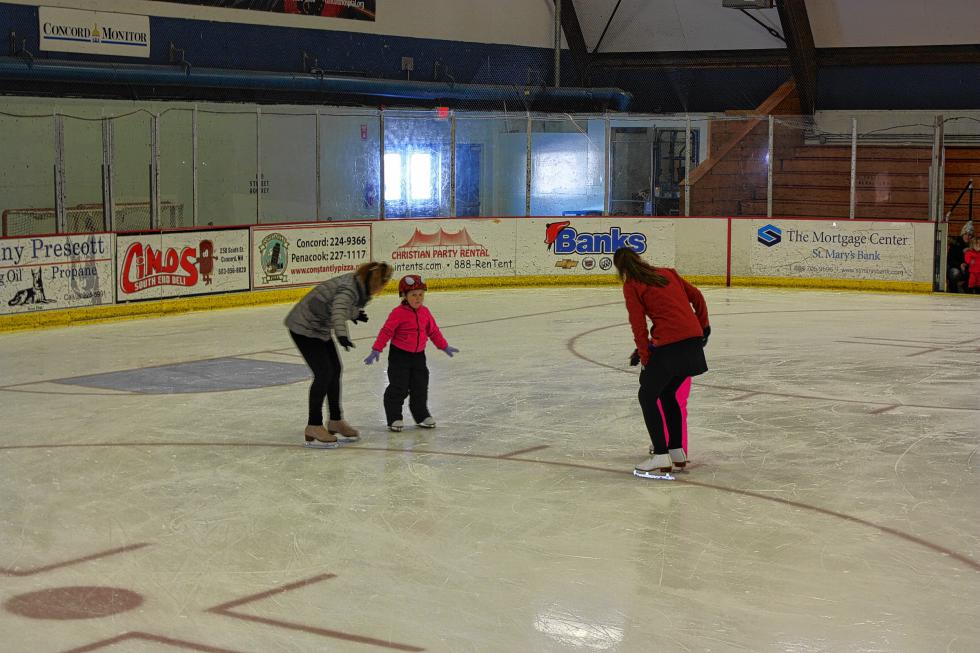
point(408, 376)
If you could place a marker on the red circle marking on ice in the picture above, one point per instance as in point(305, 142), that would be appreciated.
point(81, 602)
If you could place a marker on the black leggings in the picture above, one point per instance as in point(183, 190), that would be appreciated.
point(656, 386)
point(408, 376)
point(321, 356)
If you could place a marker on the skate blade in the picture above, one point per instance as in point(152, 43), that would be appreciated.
point(659, 476)
point(342, 440)
point(321, 445)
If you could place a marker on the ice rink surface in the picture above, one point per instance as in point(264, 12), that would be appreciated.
point(155, 495)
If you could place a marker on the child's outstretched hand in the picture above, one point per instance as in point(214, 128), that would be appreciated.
point(450, 351)
point(372, 357)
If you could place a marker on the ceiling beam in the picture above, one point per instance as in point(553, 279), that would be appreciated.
point(802, 53)
point(900, 56)
point(923, 55)
point(693, 59)
point(575, 39)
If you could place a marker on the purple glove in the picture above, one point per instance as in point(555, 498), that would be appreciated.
point(450, 351)
point(372, 357)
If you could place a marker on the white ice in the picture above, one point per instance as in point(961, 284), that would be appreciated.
point(831, 503)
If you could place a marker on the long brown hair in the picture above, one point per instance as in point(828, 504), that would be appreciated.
point(366, 271)
point(629, 265)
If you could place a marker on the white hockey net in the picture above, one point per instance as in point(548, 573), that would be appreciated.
point(85, 218)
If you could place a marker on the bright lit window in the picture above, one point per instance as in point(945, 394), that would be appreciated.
point(393, 177)
point(409, 176)
point(559, 172)
point(420, 175)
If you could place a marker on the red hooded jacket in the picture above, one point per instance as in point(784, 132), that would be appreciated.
point(668, 307)
point(409, 329)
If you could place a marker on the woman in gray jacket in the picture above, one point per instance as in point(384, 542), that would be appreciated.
point(325, 310)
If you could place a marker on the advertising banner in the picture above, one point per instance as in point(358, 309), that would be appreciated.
point(93, 32)
point(841, 249)
point(579, 246)
point(353, 9)
point(49, 272)
point(181, 263)
point(300, 255)
point(447, 249)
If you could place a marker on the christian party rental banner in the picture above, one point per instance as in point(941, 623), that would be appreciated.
point(446, 248)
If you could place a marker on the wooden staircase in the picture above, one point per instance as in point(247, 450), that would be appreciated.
point(814, 180)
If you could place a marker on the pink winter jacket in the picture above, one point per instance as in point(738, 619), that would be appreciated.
point(409, 329)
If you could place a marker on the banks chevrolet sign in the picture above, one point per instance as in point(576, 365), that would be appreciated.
point(94, 32)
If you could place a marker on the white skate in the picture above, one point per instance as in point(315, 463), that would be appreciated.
point(679, 458)
point(655, 467)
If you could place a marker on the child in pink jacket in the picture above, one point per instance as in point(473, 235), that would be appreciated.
point(408, 328)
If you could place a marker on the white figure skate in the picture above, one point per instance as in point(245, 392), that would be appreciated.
point(655, 467)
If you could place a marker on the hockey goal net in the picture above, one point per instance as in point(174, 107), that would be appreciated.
point(84, 218)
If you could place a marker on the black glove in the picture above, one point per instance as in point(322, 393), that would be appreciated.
point(361, 317)
point(704, 338)
point(345, 343)
point(635, 358)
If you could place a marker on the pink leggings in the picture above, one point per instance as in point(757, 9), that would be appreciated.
point(682, 394)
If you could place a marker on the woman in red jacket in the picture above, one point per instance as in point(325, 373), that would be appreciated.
point(408, 327)
point(670, 352)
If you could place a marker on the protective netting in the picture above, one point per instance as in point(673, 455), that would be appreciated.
point(88, 218)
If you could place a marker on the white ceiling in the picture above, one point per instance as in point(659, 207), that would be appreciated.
point(666, 25)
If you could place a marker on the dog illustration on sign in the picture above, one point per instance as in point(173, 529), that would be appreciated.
point(32, 295)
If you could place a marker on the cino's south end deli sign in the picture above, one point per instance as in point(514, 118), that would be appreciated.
point(93, 32)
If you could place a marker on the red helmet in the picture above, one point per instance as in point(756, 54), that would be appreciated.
point(410, 282)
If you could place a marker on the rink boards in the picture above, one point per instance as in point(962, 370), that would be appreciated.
point(62, 279)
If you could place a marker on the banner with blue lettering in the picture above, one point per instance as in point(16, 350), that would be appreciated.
point(352, 9)
point(51, 272)
point(93, 32)
point(832, 249)
point(575, 246)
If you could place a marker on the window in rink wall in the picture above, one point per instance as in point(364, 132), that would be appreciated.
point(417, 166)
point(409, 177)
point(568, 166)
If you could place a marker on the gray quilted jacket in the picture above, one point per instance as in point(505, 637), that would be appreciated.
point(327, 307)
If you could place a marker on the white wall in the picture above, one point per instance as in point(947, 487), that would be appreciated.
point(865, 23)
point(667, 25)
point(512, 22)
